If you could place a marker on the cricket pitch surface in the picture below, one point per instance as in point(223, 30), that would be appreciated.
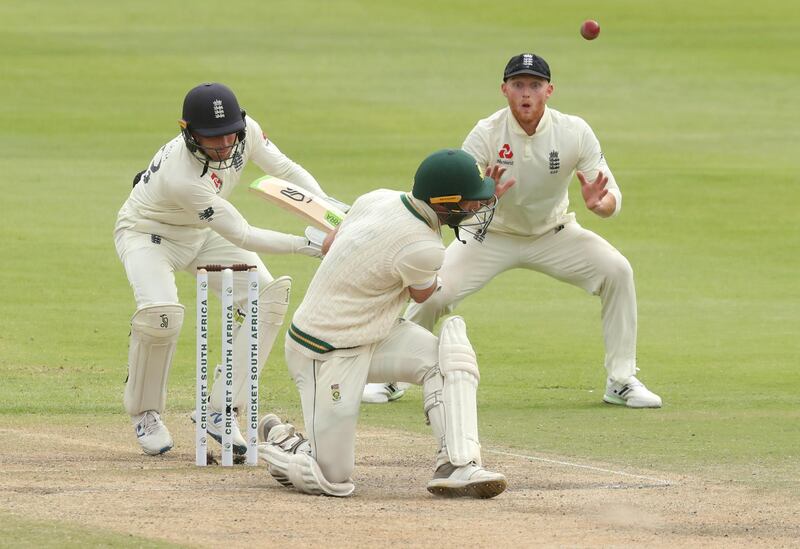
point(96, 478)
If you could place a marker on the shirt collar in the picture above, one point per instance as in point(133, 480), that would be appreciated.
point(421, 211)
point(544, 123)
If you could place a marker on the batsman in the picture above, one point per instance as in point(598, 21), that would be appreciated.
point(347, 331)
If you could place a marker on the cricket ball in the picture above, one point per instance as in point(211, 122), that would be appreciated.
point(590, 29)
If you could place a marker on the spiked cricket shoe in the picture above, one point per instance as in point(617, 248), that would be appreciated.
point(631, 393)
point(216, 426)
point(469, 480)
point(381, 393)
point(152, 434)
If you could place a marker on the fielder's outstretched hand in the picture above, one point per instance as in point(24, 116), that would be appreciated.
point(496, 172)
point(593, 193)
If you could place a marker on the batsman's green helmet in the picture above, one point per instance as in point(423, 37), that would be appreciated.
point(451, 175)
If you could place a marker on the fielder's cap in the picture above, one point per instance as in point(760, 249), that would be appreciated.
point(527, 63)
point(212, 109)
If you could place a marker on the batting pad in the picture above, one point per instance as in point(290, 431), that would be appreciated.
point(459, 367)
point(302, 471)
point(154, 336)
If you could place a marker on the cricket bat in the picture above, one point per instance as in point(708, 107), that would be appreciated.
point(317, 211)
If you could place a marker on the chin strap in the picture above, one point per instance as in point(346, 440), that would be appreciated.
point(455, 230)
point(205, 169)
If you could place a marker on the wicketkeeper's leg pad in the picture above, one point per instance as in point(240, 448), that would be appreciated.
point(459, 368)
point(154, 336)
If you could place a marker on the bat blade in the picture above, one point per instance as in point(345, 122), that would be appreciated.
point(314, 209)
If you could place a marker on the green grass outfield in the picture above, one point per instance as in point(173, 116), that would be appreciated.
point(695, 105)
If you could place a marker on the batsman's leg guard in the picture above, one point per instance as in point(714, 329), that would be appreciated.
point(273, 302)
point(154, 336)
point(432, 385)
point(459, 367)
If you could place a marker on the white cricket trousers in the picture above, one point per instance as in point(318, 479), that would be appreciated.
point(151, 262)
point(572, 254)
point(330, 389)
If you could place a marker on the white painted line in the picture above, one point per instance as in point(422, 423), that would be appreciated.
point(661, 482)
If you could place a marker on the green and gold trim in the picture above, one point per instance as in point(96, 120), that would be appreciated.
point(309, 341)
point(411, 208)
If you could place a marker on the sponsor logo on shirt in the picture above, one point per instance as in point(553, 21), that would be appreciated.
point(217, 181)
point(336, 394)
point(505, 155)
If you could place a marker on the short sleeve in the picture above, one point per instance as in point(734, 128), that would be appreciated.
point(476, 145)
point(417, 264)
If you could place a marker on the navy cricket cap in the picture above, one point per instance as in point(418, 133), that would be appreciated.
point(527, 63)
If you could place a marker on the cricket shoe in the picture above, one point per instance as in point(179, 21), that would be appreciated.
point(381, 393)
point(215, 426)
point(152, 434)
point(468, 480)
point(282, 436)
point(631, 393)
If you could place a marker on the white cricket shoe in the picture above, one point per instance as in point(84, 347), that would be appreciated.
point(152, 434)
point(381, 393)
point(469, 480)
point(216, 426)
point(631, 393)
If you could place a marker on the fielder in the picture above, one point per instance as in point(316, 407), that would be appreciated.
point(532, 229)
point(178, 217)
point(347, 332)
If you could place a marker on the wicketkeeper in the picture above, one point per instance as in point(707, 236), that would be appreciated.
point(178, 217)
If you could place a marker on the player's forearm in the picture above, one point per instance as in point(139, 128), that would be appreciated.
point(607, 206)
point(257, 240)
point(422, 294)
point(271, 242)
point(231, 225)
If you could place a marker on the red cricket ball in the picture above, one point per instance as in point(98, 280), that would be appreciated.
point(590, 29)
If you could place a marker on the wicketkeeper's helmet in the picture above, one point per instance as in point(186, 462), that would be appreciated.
point(210, 110)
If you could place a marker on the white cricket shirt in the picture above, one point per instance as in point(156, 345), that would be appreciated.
point(543, 164)
point(176, 200)
point(387, 242)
